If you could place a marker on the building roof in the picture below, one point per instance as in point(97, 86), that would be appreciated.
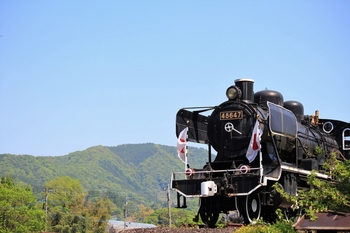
point(325, 221)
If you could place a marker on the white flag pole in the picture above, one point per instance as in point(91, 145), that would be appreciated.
point(186, 154)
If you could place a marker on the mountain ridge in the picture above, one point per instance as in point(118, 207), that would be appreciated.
point(141, 170)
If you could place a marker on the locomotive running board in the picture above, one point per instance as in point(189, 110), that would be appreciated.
point(263, 182)
point(286, 167)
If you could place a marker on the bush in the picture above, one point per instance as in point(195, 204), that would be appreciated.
point(262, 227)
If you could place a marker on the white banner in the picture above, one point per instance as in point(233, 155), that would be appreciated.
point(182, 144)
point(254, 145)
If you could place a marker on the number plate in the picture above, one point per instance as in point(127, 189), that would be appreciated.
point(231, 115)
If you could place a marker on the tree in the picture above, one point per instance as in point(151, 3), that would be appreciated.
point(98, 213)
point(70, 211)
point(180, 217)
point(67, 193)
point(325, 194)
point(143, 213)
point(18, 212)
point(66, 205)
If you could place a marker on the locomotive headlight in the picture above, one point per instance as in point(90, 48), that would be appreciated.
point(233, 93)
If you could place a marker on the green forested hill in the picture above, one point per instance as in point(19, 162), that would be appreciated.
point(140, 170)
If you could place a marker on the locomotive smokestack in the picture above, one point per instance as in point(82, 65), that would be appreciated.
point(246, 86)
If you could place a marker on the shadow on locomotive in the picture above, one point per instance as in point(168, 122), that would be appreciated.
point(260, 139)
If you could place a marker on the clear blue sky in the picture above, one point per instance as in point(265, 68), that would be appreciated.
point(80, 73)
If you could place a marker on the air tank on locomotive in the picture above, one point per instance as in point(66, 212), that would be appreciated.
point(262, 97)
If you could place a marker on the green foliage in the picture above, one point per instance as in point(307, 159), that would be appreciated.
point(18, 212)
point(134, 154)
point(65, 197)
point(98, 213)
point(66, 193)
point(68, 211)
point(143, 213)
point(262, 227)
point(325, 194)
point(138, 170)
point(180, 218)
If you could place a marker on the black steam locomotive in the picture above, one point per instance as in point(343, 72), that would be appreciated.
point(259, 140)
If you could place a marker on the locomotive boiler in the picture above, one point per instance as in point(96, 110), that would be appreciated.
point(259, 140)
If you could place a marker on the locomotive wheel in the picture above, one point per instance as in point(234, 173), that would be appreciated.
point(209, 211)
point(294, 215)
point(250, 207)
point(269, 214)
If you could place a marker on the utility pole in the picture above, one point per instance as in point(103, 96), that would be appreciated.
point(168, 200)
point(47, 191)
point(126, 210)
